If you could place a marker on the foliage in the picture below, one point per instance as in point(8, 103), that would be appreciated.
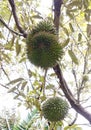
point(8, 119)
point(31, 85)
point(29, 123)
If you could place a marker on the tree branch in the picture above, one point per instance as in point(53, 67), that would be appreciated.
point(63, 84)
point(2, 21)
point(12, 4)
point(57, 6)
point(69, 95)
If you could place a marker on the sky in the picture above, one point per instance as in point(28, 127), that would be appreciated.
point(45, 4)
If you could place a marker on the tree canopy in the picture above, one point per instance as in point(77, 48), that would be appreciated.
point(70, 78)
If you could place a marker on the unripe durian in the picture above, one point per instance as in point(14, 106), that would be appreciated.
point(43, 49)
point(55, 109)
point(46, 26)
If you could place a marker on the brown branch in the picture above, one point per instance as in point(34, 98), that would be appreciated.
point(57, 6)
point(63, 84)
point(69, 95)
point(4, 86)
point(5, 72)
point(2, 21)
point(12, 4)
point(76, 116)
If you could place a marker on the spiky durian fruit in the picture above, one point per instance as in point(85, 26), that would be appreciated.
point(43, 49)
point(45, 25)
point(55, 109)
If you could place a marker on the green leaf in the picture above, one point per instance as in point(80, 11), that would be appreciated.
point(46, 128)
point(12, 89)
point(10, 44)
point(66, 31)
point(15, 97)
point(70, 14)
point(87, 17)
point(6, 57)
point(73, 127)
point(65, 43)
point(22, 59)
point(73, 57)
point(18, 48)
point(52, 74)
point(37, 17)
point(23, 85)
point(86, 4)
point(22, 94)
point(71, 27)
point(15, 81)
point(79, 37)
point(88, 30)
point(1, 35)
point(74, 4)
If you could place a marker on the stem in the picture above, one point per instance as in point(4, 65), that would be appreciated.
point(3, 22)
point(12, 4)
point(7, 122)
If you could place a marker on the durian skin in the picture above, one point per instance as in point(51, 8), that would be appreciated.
point(46, 26)
point(55, 109)
point(43, 49)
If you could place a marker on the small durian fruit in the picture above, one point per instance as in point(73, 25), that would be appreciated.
point(45, 25)
point(43, 49)
point(54, 109)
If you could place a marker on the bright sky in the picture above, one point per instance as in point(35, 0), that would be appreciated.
point(45, 4)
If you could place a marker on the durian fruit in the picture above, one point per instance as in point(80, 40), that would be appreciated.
point(55, 109)
point(43, 49)
point(45, 25)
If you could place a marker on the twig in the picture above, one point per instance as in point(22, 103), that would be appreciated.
point(8, 89)
point(84, 124)
point(4, 86)
point(74, 119)
point(78, 92)
point(44, 82)
point(5, 72)
point(84, 70)
point(2, 21)
point(29, 76)
point(75, 77)
point(80, 29)
point(7, 123)
point(12, 4)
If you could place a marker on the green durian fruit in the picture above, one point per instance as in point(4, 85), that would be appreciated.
point(43, 49)
point(45, 25)
point(55, 109)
